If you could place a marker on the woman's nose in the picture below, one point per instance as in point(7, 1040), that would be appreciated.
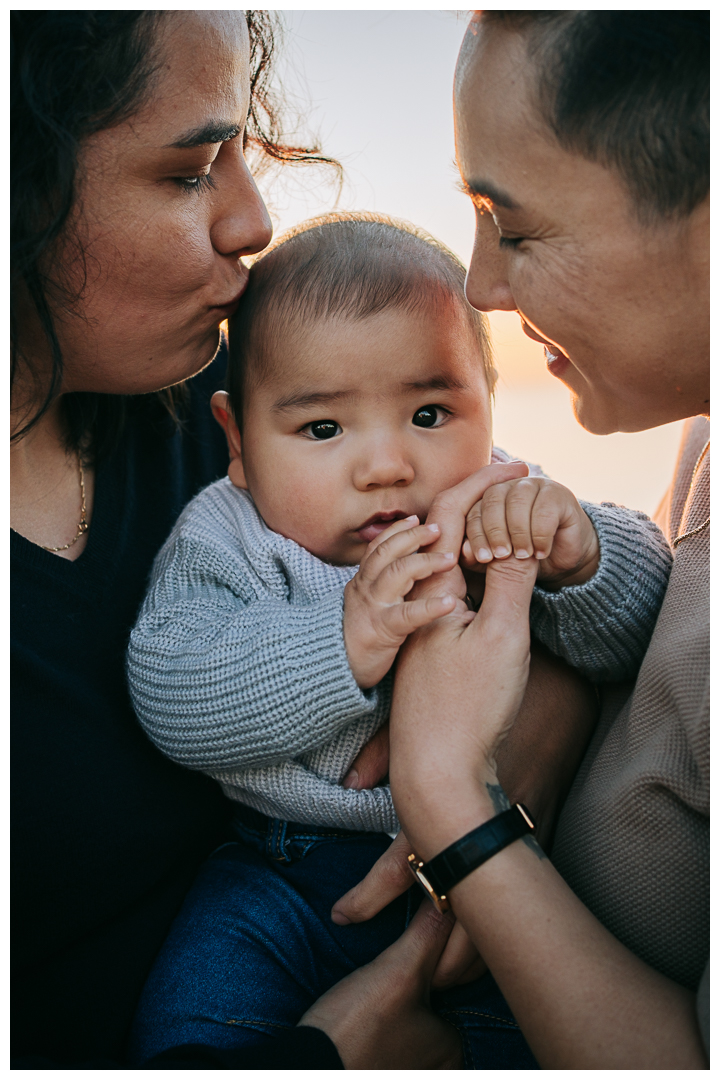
point(383, 465)
point(242, 224)
point(486, 284)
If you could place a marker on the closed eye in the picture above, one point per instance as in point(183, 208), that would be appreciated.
point(510, 241)
point(197, 184)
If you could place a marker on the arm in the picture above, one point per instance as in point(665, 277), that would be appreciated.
point(602, 573)
point(603, 627)
point(223, 675)
point(581, 998)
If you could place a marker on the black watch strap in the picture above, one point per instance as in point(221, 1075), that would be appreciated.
point(442, 873)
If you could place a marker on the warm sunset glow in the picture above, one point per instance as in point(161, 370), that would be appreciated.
point(376, 86)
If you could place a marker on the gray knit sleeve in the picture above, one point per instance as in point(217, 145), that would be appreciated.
point(222, 677)
point(296, 793)
point(603, 628)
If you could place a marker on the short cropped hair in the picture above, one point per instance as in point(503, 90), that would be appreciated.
point(345, 266)
point(630, 90)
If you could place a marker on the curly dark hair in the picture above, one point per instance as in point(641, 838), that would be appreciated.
point(74, 73)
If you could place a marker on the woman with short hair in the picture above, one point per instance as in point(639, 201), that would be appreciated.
point(583, 142)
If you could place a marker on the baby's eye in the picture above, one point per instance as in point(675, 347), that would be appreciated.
point(429, 416)
point(323, 429)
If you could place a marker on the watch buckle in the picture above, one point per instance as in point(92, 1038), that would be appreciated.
point(442, 904)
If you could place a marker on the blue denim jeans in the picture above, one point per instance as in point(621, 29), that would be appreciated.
point(254, 946)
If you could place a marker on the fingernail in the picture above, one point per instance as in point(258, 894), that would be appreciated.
point(541, 554)
point(434, 528)
point(483, 555)
point(447, 600)
point(501, 552)
point(352, 779)
point(448, 555)
point(521, 553)
point(339, 919)
point(413, 517)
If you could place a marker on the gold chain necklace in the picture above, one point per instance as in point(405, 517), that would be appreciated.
point(83, 524)
point(699, 528)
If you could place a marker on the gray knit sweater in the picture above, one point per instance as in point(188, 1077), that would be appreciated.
point(237, 663)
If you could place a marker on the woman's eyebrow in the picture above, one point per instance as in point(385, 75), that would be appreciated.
point(484, 189)
point(214, 132)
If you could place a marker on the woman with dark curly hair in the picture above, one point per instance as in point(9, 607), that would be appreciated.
point(132, 205)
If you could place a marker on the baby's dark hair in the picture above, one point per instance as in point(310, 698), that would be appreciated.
point(343, 266)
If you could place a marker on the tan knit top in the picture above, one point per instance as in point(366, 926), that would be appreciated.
point(633, 837)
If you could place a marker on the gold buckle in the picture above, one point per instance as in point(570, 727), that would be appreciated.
point(416, 865)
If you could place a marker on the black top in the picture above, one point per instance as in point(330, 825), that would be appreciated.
point(106, 832)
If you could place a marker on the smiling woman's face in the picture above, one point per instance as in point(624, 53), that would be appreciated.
point(622, 306)
point(166, 208)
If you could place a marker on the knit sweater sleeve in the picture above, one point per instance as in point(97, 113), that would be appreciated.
point(225, 674)
point(603, 628)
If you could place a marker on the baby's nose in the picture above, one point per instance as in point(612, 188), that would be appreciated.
point(384, 466)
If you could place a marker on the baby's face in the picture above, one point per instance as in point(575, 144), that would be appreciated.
point(364, 422)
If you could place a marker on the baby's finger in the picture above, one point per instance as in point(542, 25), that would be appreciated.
point(476, 538)
point(401, 619)
point(394, 527)
point(518, 513)
point(397, 579)
point(546, 518)
point(397, 545)
point(494, 521)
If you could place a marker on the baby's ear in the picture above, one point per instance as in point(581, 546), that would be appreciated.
point(222, 411)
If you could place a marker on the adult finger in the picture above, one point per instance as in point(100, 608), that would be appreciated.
point(449, 509)
point(505, 608)
point(379, 1015)
point(460, 961)
point(423, 943)
point(389, 877)
point(372, 763)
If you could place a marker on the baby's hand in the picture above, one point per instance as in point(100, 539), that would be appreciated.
point(377, 616)
point(533, 516)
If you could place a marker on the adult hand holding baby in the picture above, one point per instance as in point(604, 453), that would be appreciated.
point(537, 759)
point(378, 617)
point(533, 516)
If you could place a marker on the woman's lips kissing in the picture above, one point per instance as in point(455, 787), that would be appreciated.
point(378, 523)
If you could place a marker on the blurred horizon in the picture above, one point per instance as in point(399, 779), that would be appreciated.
point(375, 88)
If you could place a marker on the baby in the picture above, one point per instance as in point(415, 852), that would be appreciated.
point(359, 387)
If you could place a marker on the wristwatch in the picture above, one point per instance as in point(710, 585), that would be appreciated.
point(442, 873)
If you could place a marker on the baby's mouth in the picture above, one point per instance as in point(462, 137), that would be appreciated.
point(378, 523)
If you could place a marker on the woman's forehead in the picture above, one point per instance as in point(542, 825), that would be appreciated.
point(202, 71)
point(506, 152)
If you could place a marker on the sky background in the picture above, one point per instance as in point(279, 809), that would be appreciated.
point(376, 88)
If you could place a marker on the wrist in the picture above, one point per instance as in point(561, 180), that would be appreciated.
point(577, 575)
point(438, 815)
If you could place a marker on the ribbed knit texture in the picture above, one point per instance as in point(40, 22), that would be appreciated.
point(603, 627)
point(237, 664)
point(633, 837)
